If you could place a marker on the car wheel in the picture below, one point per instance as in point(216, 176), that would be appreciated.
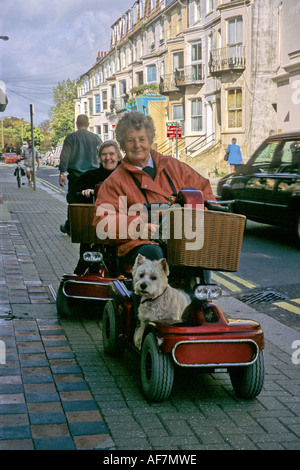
point(247, 381)
point(112, 329)
point(157, 371)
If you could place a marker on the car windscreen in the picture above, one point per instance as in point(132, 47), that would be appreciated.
point(278, 155)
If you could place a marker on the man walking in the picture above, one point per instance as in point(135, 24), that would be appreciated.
point(78, 155)
point(30, 157)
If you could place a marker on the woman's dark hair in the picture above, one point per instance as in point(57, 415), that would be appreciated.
point(109, 143)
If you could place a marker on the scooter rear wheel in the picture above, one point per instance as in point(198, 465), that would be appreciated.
point(248, 381)
point(157, 371)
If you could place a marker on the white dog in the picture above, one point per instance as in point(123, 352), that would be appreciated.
point(159, 301)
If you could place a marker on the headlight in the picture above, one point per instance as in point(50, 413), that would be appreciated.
point(208, 292)
point(92, 257)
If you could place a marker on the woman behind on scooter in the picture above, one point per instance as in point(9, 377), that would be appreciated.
point(110, 157)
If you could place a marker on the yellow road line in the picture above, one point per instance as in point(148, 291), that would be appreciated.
point(223, 282)
point(296, 300)
point(245, 283)
point(51, 186)
point(289, 307)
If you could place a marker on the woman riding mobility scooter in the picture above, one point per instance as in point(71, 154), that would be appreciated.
point(204, 338)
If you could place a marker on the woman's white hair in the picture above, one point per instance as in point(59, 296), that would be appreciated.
point(137, 121)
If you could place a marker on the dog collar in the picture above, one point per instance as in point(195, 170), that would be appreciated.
point(152, 300)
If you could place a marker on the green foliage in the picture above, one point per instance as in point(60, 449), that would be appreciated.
point(62, 114)
point(37, 135)
point(16, 131)
point(145, 89)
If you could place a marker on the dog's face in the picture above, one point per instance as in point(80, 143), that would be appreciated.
point(150, 278)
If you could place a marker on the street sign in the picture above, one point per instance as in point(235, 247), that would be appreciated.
point(174, 131)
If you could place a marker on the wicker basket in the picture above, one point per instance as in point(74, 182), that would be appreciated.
point(81, 223)
point(223, 235)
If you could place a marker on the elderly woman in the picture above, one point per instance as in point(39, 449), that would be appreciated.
point(109, 156)
point(144, 176)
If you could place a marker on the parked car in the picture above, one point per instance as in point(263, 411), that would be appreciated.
point(267, 188)
point(56, 154)
point(11, 158)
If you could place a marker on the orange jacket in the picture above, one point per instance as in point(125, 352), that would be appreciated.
point(121, 183)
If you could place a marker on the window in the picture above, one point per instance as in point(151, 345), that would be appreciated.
point(178, 66)
point(104, 99)
point(235, 38)
point(169, 26)
point(178, 62)
point(151, 74)
point(234, 108)
point(142, 8)
point(197, 11)
point(123, 87)
point(153, 4)
point(197, 62)
point(91, 108)
point(209, 5)
point(139, 78)
point(179, 17)
point(123, 93)
point(178, 115)
point(196, 115)
point(105, 132)
point(113, 91)
point(162, 34)
point(97, 104)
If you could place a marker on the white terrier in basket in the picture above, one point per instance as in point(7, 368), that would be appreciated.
point(159, 301)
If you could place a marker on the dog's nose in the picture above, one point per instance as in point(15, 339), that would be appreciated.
point(143, 286)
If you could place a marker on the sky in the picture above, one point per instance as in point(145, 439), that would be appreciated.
point(50, 41)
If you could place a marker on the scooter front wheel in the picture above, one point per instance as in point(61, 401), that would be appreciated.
point(68, 307)
point(112, 331)
point(157, 371)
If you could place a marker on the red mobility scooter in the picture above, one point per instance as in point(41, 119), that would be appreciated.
point(204, 338)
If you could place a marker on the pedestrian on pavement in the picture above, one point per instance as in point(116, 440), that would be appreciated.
point(135, 134)
point(78, 155)
point(235, 158)
point(28, 157)
point(110, 157)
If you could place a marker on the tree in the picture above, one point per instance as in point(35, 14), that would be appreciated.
point(44, 126)
point(16, 131)
point(62, 114)
point(37, 135)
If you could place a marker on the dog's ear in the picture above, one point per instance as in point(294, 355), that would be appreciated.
point(165, 266)
point(139, 260)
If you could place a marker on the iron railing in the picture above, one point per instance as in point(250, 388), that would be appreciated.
point(227, 58)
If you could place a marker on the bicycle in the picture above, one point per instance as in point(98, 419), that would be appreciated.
point(19, 172)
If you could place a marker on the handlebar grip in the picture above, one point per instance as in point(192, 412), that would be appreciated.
point(215, 207)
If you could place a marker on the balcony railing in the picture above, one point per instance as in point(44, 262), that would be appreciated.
point(118, 104)
point(191, 75)
point(227, 58)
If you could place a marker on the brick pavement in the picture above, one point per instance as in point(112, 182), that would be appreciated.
point(58, 390)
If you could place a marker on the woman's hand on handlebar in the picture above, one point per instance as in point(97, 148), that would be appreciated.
point(87, 192)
